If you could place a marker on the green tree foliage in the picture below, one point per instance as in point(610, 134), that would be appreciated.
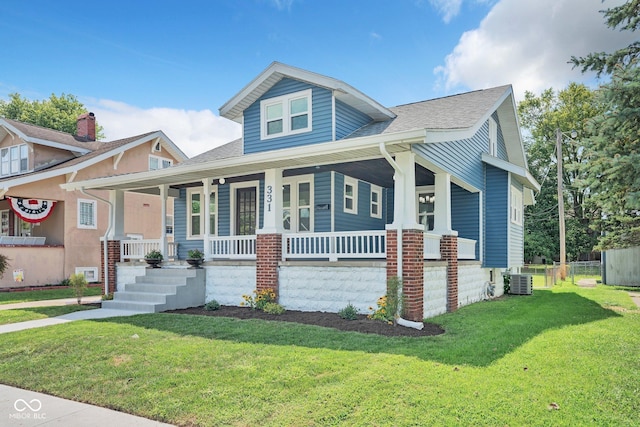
point(541, 116)
point(626, 17)
point(57, 112)
point(612, 174)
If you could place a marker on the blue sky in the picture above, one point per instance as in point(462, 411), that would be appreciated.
point(147, 65)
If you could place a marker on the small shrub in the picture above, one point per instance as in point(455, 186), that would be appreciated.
point(107, 297)
point(195, 254)
point(4, 264)
point(389, 304)
point(506, 281)
point(349, 312)
point(65, 282)
point(258, 300)
point(273, 308)
point(212, 305)
point(154, 254)
point(79, 283)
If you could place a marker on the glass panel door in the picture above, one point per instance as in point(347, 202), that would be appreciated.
point(426, 203)
point(246, 211)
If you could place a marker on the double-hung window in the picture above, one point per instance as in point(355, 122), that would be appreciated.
point(87, 215)
point(376, 201)
point(196, 214)
point(516, 206)
point(285, 115)
point(350, 195)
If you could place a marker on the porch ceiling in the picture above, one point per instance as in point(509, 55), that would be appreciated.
point(363, 161)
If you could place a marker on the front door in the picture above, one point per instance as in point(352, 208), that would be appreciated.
point(246, 211)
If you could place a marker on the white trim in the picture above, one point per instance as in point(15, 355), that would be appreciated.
point(375, 189)
point(93, 270)
point(294, 183)
point(333, 116)
point(94, 224)
point(353, 182)
point(523, 175)
point(481, 227)
point(493, 137)
point(232, 201)
point(287, 117)
point(333, 201)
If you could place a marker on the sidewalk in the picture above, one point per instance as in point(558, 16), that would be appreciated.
point(27, 408)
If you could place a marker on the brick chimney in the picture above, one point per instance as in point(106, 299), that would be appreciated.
point(86, 129)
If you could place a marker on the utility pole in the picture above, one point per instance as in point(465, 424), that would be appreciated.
point(563, 248)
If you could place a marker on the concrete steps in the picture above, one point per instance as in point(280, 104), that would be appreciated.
point(161, 289)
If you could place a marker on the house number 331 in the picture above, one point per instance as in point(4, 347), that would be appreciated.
point(269, 197)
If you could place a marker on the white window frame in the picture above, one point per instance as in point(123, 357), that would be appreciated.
point(378, 191)
point(285, 101)
point(189, 214)
point(161, 161)
point(516, 206)
point(422, 190)
point(13, 162)
point(353, 182)
point(156, 147)
point(294, 207)
point(94, 224)
point(94, 273)
point(169, 222)
point(493, 137)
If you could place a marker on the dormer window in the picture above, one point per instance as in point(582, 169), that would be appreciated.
point(14, 159)
point(285, 115)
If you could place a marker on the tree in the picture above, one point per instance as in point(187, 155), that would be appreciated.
point(58, 112)
point(540, 116)
point(612, 173)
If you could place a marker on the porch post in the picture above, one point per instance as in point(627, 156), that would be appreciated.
point(442, 208)
point(116, 198)
point(206, 188)
point(449, 253)
point(408, 259)
point(114, 237)
point(164, 190)
point(269, 237)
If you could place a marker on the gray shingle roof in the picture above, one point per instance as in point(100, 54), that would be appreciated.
point(226, 151)
point(451, 112)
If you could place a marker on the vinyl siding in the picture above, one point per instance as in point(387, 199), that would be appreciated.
point(465, 214)
point(321, 119)
point(180, 226)
point(516, 237)
point(348, 119)
point(351, 222)
point(461, 158)
point(224, 211)
point(502, 147)
point(388, 205)
point(496, 218)
point(322, 196)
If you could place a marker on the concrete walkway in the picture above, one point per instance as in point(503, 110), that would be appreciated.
point(20, 407)
point(635, 296)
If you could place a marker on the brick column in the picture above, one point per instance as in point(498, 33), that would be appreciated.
point(413, 274)
point(392, 253)
point(268, 255)
point(113, 252)
point(449, 253)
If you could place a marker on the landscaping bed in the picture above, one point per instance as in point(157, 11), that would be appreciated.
point(329, 320)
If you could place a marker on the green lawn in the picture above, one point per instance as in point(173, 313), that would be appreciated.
point(44, 294)
point(501, 362)
point(35, 313)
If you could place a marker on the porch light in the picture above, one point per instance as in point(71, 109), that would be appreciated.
point(221, 181)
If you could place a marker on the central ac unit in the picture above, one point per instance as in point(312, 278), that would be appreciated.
point(521, 284)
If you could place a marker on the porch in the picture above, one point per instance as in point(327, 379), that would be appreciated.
point(325, 246)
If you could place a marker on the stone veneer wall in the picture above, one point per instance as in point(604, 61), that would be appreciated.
point(227, 283)
point(435, 288)
point(472, 282)
point(324, 286)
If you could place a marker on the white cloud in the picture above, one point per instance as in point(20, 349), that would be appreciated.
point(447, 8)
point(528, 43)
point(194, 132)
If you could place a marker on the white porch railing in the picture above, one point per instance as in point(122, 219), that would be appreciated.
point(233, 247)
point(349, 244)
point(466, 248)
point(137, 249)
point(432, 246)
point(22, 240)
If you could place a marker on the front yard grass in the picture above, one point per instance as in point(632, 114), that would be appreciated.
point(35, 313)
point(503, 362)
point(45, 294)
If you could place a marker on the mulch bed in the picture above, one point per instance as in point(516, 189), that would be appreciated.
point(328, 320)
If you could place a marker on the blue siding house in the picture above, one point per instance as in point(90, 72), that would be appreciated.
point(325, 181)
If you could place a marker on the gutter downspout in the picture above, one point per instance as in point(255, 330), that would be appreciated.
point(104, 238)
point(399, 174)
